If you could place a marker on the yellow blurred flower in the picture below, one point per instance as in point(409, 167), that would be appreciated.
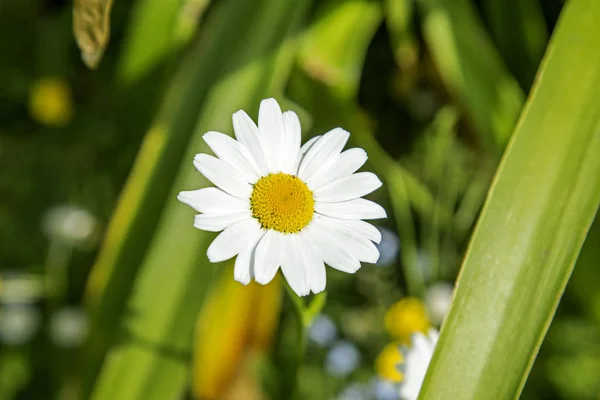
point(236, 322)
point(386, 364)
point(406, 317)
point(50, 102)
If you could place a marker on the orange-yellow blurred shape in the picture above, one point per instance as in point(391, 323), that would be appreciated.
point(50, 102)
point(387, 362)
point(235, 322)
point(406, 317)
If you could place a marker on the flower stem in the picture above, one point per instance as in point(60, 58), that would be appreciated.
point(304, 317)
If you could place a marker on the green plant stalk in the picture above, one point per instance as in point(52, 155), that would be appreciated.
point(472, 69)
point(151, 361)
point(305, 315)
point(537, 214)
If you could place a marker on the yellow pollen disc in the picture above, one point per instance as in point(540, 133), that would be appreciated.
point(282, 202)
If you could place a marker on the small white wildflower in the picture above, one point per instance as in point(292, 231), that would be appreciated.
point(416, 361)
point(282, 205)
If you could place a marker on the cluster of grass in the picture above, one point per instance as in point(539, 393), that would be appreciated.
point(482, 169)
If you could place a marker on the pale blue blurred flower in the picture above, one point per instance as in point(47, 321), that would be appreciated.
point(322, 331)
point(384, 390)
point(342, 359)
point(388, 247)
point(354, 391)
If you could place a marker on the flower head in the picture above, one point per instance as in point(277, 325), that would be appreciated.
point(417, 359)
point(406, 317)
point(386, 364)
point(282, 205)
point(50, 102)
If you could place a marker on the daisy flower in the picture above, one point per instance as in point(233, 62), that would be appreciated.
point(416, 361)
point(282, 205)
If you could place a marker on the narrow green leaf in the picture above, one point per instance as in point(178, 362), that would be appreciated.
point(152, 359)
point(519, 28)
point(472, 69)
point(333, 49)
point(399, 16)
point(157, 31)
point(538, 211)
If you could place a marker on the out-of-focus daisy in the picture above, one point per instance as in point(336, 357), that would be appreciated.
point(387, 362)
point(417, 359)
point(50, 102)
point(342, 359)
point(406, 317)
point(282, 205)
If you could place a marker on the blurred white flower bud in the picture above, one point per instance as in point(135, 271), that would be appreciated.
point(69, 327)
point(70, 225)
point(17, 288)
point(18, 324)
point(437, 299)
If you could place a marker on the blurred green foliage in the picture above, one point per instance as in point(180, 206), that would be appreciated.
point(430, 88)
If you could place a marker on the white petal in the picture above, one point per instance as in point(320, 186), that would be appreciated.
point(335, 254)
point(347, 163)
point(268, 257)
point(247, 134)
point(364, 228)
point(317, 277)
point(310, 142)
point(244, 263)
point(291, 143)
point(352, 209)
point(327, 147)
point(233, 153)
point(233, 240)
point(305, 147)
point(356, 244)
point(292, 265)
point(348, 188)
point(212, 200)
point(217, 221)
point(222, 175)
point(270, 125)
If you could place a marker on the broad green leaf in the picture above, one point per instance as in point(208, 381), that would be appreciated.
point(534, 222)
point(472, 69)
point(152, 359)
point(519, 28)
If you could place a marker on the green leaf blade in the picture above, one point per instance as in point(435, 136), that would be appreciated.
point(541, 204)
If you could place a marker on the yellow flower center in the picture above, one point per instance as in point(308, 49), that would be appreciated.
point(406, 317)
point(386, 363)
point(282, 202)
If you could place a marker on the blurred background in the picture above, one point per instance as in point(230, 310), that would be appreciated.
point(105, 290)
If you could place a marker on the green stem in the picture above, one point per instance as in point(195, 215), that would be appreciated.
point(304, 317)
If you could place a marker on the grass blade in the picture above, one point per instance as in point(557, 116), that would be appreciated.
point(538, 211)
point(519, 28)
point(472, 69)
